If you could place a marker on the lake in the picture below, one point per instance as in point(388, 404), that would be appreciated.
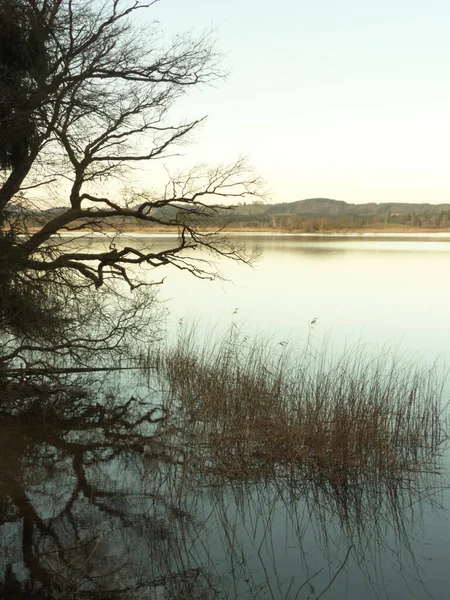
point(94, 507)
point(373, 289)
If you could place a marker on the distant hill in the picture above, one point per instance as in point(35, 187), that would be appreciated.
point(318, 207)
point(325, 214)
point(309, 215)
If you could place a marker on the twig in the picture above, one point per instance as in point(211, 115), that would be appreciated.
point(336, 574)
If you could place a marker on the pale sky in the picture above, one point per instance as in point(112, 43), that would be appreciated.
point(346, 99)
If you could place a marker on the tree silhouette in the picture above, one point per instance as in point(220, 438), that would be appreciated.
point(87, 97)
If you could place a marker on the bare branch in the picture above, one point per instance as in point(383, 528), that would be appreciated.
point(86, 101)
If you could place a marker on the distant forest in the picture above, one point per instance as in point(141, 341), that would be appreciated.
point(310, 216)
point(323, 214)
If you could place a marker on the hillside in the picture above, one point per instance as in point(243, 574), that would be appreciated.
point(310, 215)
point(323, 214)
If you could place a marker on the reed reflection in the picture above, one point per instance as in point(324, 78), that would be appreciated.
point(102, 497)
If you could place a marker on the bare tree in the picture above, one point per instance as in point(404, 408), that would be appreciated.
point(85, 100)
point(95, 96)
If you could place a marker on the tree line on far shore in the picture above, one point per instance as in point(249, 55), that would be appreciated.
point(321, 215)
point(324, 214)
point(309, 216)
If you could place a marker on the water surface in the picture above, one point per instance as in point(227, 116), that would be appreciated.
point(94, 504)
point(372, 288)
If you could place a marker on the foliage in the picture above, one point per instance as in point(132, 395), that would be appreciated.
point(27, 308)
point(22, 59)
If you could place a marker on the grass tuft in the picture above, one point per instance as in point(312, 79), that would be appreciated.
point(248, 408)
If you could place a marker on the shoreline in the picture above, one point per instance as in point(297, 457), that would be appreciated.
point(279, 230)
point(266, 230)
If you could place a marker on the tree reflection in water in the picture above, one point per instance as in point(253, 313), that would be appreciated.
point(98, 500)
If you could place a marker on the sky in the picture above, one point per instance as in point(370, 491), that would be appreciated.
point(345, 99)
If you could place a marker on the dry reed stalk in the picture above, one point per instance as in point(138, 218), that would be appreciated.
point(253, 407)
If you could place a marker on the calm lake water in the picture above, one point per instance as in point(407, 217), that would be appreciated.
point(93, 505)
point(372, 289)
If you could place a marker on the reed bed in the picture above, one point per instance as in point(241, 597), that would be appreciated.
point(248, 408)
